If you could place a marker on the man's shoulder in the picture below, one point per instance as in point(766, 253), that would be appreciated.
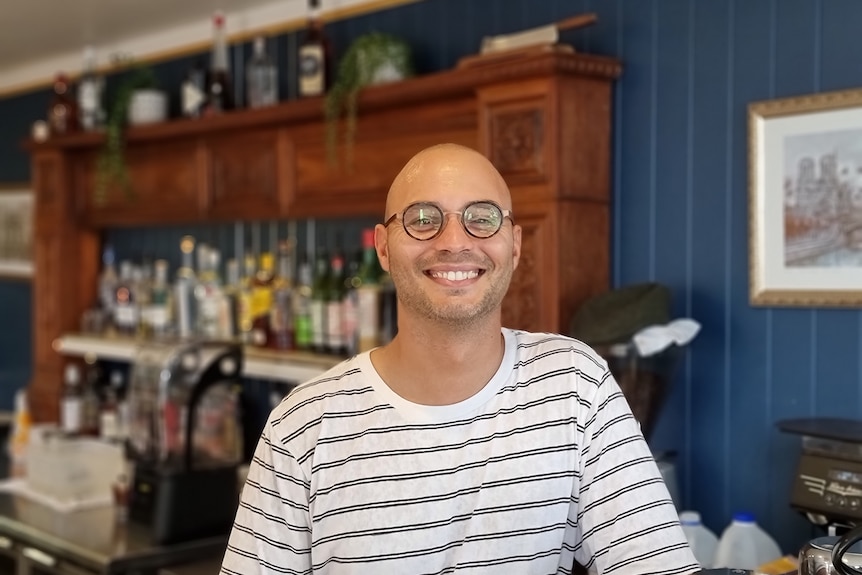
point(555, 346)
point(341, 384)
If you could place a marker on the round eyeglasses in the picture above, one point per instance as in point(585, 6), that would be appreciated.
point(425, 221)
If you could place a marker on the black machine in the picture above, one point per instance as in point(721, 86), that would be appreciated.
point(827, 486)
point(185, 439)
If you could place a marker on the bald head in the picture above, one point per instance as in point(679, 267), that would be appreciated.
point(447, 173)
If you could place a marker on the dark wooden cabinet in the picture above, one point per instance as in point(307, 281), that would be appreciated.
point(544, 119)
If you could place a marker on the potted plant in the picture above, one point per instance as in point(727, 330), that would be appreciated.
point(373, 58)
point(111, 170)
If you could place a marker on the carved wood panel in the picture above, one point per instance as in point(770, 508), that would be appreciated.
point(530, 304)
point(164, 185)
point(244, 174)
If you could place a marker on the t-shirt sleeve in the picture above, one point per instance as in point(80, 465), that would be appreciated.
point(626, 519)
point(271, 532)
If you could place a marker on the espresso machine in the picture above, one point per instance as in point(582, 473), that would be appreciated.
point(185, 438)
point(827, 486)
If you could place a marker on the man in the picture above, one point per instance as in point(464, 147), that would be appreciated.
point(460, 446)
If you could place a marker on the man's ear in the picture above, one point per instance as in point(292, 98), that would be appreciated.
point(516, 246)
point(381, 244)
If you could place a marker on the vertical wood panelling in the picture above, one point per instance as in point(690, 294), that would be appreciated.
point(748, 409)
point(636, 143)
point(709, 449)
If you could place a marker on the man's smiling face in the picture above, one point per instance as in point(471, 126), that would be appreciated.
point(453, 278)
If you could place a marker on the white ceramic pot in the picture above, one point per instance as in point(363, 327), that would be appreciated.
point(147, 107)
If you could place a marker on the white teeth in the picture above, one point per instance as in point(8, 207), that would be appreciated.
point(456, 276)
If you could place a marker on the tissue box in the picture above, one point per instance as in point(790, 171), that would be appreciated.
point(74, 470)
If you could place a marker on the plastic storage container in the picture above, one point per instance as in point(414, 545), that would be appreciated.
point(702, 540)
point(745, 545)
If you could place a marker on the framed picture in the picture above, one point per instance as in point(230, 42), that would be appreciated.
point(16, 231)
point(805, 200)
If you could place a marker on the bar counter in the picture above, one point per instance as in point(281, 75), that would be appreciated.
point(88, 541)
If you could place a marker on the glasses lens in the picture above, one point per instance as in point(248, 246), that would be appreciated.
point(483, 219)
point(422, 220)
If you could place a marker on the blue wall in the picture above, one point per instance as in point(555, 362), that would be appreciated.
point(680, 213)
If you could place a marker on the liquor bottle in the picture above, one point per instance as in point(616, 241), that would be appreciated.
point(281, 314)
point(302, 305)
point(159, 313)
point(90, 89)
point(208, 294)
point(350, 306)
point(126, 312)
point(219, 90)
point(109, 410)
point(90, 400)
point(261, 77)
point(184, 290)
point(232, 294)
point(63, 110)
point(246, 299)
point(315, 54)
point(368, 295)
point(335, 294)
point(193, 91)
point(317, 304)
point(108, 281)
point(262, 301)
point(388, 309)
point(72, 404)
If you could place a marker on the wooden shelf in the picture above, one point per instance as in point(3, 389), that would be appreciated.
point(543, 119)
point(292, 367)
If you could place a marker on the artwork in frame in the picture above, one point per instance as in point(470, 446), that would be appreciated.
point(16, 231)
point(805, 200)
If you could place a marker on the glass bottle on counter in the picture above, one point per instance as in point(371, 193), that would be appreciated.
point(184, 290)
point(335, 295)
point(262, 301)
point(72, 402)
point(368, 295)
point(281, 316)
point(315, 54)
point(317, 304)
point(302, 305)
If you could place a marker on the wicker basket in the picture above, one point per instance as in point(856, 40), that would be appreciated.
point(644, 381)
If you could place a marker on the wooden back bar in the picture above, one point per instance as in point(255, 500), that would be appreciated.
point(543, 118)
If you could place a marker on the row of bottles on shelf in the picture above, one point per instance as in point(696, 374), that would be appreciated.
point(205, 90)
point(330, 305)
point(94, 403)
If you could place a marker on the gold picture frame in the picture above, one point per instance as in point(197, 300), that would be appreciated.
point(16, 231)
point(805, 199)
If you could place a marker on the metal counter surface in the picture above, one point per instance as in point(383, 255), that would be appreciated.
point(94, 538)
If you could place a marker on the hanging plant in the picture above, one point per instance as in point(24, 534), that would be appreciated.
point(373, 58)
point(111, 169)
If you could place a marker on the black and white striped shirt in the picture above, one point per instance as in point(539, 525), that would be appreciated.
point(545, 464)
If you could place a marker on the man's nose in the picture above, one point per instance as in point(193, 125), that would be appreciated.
point(453, 232)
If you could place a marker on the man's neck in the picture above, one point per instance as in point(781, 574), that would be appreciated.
point(436, 366)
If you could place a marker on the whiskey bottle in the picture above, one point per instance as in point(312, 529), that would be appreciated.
point(315, 54)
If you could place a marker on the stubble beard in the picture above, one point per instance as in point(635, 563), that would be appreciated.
point(453, 313)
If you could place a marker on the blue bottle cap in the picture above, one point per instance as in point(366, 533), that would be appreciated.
point(743, 517)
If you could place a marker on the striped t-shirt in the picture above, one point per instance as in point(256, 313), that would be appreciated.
point(544, 465)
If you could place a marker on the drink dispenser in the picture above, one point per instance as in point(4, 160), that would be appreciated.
point(185, 438)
